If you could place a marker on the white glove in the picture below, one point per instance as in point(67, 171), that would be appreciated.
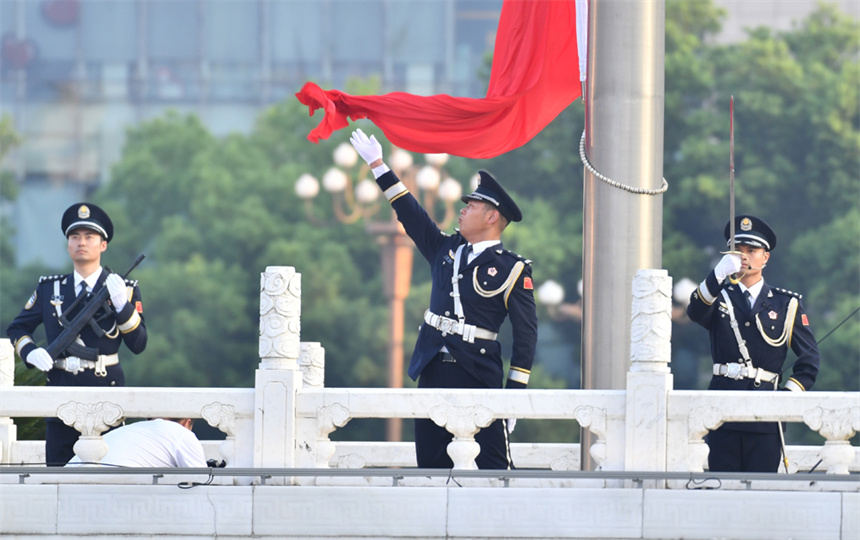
point(728, 265)
point(368, 148)
point(39, 358)
point(118, 292)
point(510, 423)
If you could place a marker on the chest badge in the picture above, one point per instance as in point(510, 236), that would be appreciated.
point(772, 314)
point(57, 300)
point(492, 271)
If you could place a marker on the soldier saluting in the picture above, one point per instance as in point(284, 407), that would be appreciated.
point(752, 326)
point(88, 230)
point(476, 285)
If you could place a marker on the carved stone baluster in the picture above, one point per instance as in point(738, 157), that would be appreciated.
point(463, 423)
point(594, 420)
point(223, 418)
point(91, 420)
point(701, 420)
point(328, 419)
point(836, 426)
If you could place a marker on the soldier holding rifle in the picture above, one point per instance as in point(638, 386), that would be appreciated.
point(86, 314)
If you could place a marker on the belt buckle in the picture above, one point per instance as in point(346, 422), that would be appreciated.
point(733, 371)
point(445, 325)
point(73, 365)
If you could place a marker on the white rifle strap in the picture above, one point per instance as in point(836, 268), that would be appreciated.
point(742, 346)
point(57, 305)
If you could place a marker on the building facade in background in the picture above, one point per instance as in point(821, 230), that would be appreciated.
point(75, 74)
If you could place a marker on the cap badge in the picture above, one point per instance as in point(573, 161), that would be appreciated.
point(746, 224)
point(84, 212)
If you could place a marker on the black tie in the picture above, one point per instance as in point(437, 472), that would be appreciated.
point(83, 288)
point(467, 250)
point(748, 297)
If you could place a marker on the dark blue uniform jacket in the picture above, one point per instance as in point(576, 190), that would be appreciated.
point(40, 310)
point(485, 302)
point(771, 310)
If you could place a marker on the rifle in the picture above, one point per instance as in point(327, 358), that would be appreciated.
point(66, 341)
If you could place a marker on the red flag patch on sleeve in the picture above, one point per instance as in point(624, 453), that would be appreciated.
point(139, 307)
point(804, 319)
point(527, 283)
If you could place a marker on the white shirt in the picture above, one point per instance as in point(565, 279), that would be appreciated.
point(754, 290)
point(152, 443)
point(90, 280)
point(479, 247)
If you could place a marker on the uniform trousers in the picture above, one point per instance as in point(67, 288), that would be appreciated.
point(742, 451)
point(431, 440)
point(60, 442)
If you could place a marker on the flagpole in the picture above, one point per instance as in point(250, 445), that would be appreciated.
point(622, 229)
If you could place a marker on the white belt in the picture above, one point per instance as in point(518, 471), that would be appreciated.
point(470, 332)
point(74, 364)
point(740, 371)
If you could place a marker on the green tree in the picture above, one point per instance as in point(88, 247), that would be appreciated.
point(28, 428)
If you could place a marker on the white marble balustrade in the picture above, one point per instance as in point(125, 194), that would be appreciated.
point(287, 419)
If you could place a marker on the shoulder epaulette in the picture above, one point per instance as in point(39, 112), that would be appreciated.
point(50, 278)
point(445, 234)
point(788, 293)
point(514, 255)
point(131, 282)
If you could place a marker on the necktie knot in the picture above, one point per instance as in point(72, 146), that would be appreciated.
point(467, 253)
point(748, 296)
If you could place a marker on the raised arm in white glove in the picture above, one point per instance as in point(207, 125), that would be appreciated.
point(118, 292)
point(368, 148)
point(40, 359)
point(728, 265)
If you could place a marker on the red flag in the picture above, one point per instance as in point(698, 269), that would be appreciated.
point(535, 75)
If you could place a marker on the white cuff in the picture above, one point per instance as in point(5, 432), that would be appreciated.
point(518, 375)
point(705, 294)
point(23, 342)
point(793, 385)
point(395, 191)
point(379, 171)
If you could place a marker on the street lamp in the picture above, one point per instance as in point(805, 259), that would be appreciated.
point(429, 183)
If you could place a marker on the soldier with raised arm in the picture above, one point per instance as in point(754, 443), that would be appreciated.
point(752, 326)
point(476, 284)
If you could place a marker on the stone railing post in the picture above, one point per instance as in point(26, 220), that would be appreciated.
point(8, 430)
point(278, 377)
point(649, 379)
